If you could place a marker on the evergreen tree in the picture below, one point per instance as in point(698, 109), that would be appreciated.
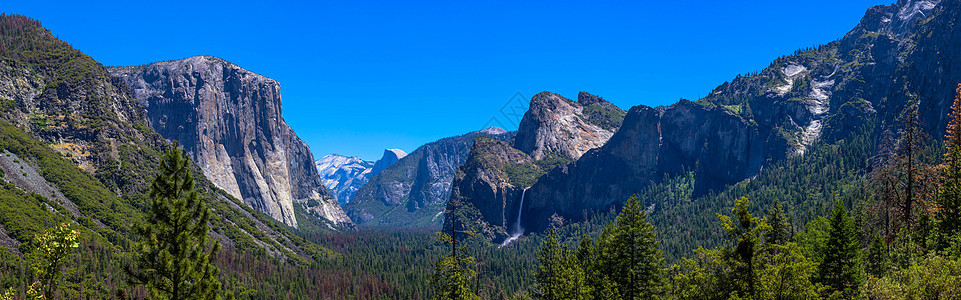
point(911, 167)
point(604, 285)
point(172, 259)
point(560, 275)
point(587, 257)
point(780, 232)
point(744, 234)
point(949, 216)
point(839, 268)
point(877, 257)
point(453, 273)
point(630, 257)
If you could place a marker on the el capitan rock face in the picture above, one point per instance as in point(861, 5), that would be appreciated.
point(230, 122)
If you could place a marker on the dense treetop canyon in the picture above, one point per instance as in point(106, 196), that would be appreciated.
point(834, 172)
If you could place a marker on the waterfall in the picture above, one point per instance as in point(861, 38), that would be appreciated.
point(518, 230)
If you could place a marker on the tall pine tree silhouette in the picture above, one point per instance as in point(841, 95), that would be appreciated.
point(453, 273)
point(780, 232)
point(560, 275)
point(949, 214)
point(839, 270)
point(630, 256)
point(172, 260)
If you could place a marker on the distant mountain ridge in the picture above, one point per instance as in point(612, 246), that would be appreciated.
point(412, 192)
point(345, 175)
point(390, 157)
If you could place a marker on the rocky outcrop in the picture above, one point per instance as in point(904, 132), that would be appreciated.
point(555, 125)
point(553, 132)
point(413, 191)
point(65, 98)
point(389, 158)
point(73, 120)
point(817, 96)
point(230, 121)
point(343, 175)
point(719, 146)
point(494, 172)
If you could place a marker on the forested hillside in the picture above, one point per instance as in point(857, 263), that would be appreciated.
point(76, 150)
point(833, 173)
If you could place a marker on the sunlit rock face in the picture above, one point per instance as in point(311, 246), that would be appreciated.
point(230, 121)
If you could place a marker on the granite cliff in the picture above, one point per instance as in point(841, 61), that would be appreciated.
point(859, 85)
point(498, 174)
point(230, 121)
point(553, 132)
point(390, 157)
point(555, 125)
point(78, 148)
point(413, 191)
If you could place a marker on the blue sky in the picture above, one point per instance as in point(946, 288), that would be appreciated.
point(358, 77)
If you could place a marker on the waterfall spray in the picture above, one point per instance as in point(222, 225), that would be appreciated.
point(518, 230)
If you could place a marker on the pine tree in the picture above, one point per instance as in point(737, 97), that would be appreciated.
point(172, 260)
point(877, 257)
point(883, 181)
point(949, 216)
point(631, 256)
point(587, 258)
point(910, 165)
point(453, 273)
point(560, 275)
point(780, 232)
point(839, 269)
point(744, 235)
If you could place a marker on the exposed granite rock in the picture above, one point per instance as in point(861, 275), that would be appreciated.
point(389, 158)
point(822, 95)
point(491, 174)
point(59, 97)
point(414, 190)
point(553, 132)
point(230, 121)
point(719, 146)
point(70, 102)
point(343, 175)
point(555, 125)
